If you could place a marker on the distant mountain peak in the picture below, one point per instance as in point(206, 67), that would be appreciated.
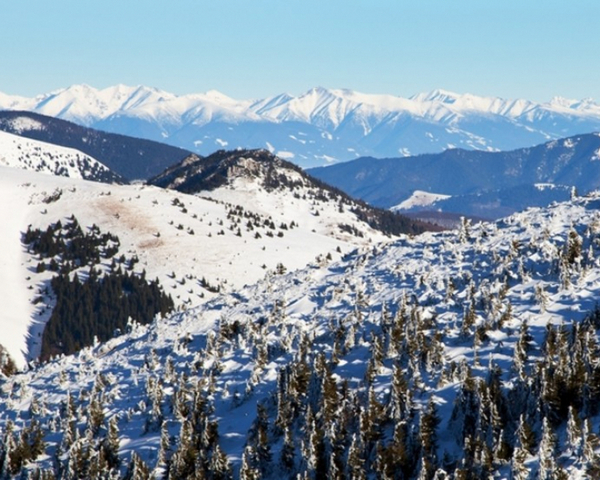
point(321, 125)
point(478, 184)
point(437, 95)
point(586, 105)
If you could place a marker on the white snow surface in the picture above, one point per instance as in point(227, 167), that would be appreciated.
point(338, 124)
point(414, 270)
point(27, 154)
point(178, 247)
point(420, 198)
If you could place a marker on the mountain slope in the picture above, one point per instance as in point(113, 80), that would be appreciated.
point(240, 174)
point(463, 354)
point(487, 184)
point(194, 246)
point(320, 126)
point(18, 152)
point(131, 158)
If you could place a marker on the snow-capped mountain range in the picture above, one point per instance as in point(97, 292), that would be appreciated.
point(320, 126)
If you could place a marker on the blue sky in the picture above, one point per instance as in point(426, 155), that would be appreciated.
point(253, 49)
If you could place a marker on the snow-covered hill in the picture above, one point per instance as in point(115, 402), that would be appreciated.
point(321, 125)
point(132, 158)
point(194, 246)
point(26, 154)
point(420, 199)
point(244, 176)
point(465, 354)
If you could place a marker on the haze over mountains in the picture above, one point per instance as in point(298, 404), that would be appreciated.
point(320, 126)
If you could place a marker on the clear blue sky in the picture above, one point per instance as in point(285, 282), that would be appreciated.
point(252, 49)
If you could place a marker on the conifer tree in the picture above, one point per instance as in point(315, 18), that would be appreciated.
point(521, 351)
point(262, 445)
point(95, 413)
point(137, 470)
point(99, 468)
point(502, 448)
point(7, 448)
point(79, 460)
point(288, 450)
point(356, 461)
point(428, 434)
point(518, 468)
point(70, 435)
point(111, 443)
point(526, 435)
point(547, 451)
point(248, 469)
point(591, 442)
point(329, 396)
point(400, 400)
point(164, 447)
point(219, 467)
point(372, 419)
point(574, 432)
point(184, 459)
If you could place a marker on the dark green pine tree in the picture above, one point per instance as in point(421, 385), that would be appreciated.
point(219, 467)
point(262, 444)
point(430, 421)
point(111, 443)
point(137, 470)
point(183, 461)
point(526, 435)
point(356, 462)
point(288, 451)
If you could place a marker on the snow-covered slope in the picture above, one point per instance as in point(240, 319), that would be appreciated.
point(191, 244)
point(26, 154)
point(420, 199)
point(132, 158)
point(244, 176)
point(434, 355)
point(321, 125)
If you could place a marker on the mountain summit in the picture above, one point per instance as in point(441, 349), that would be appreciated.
point(320, 126)
point(259, 177)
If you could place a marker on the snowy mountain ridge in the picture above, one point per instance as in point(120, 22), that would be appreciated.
point(131, 158)
point(321, 125)
point(237, 174)
point(82, 101)
point(483, 184)
point(26, 154)
point(196, 245)
point(437, 356)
